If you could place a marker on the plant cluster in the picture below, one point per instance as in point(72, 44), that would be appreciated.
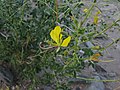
point(49, 41)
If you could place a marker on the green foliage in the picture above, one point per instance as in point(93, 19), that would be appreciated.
point(25, 24)
point(22, 27)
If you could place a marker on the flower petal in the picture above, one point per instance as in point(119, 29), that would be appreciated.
point(55, 34)
point(98, 12)
point(85, 10)
point(95, 57)
point(66, 42)
point(96, 19)
point(60, 39)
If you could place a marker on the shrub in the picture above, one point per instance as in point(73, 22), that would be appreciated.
point(25, 43)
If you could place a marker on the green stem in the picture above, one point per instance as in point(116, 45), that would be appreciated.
point(56, 9)
point(111, 44)
point(22, 11)
point(88, 13)
point(48, 6)
point(106, 28)
point(91, 79)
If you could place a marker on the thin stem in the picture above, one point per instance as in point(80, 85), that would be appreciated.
point(17, 10)
point(56, 9)
point(106, 28)
point(91, 79)
point(22, 11)
point(112, 43)
point(48, 6)
point(88, 13)
point(104, 48)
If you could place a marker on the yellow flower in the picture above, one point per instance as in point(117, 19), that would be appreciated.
point(98, 12)
point(95, 47)
point(96, 17)
point(95, 57)
point(57, 37)
point(85, 10)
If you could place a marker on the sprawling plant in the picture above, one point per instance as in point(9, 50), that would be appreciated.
point(48, 41)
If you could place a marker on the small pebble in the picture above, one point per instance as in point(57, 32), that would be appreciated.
point(112, 74)
point(78, 88)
